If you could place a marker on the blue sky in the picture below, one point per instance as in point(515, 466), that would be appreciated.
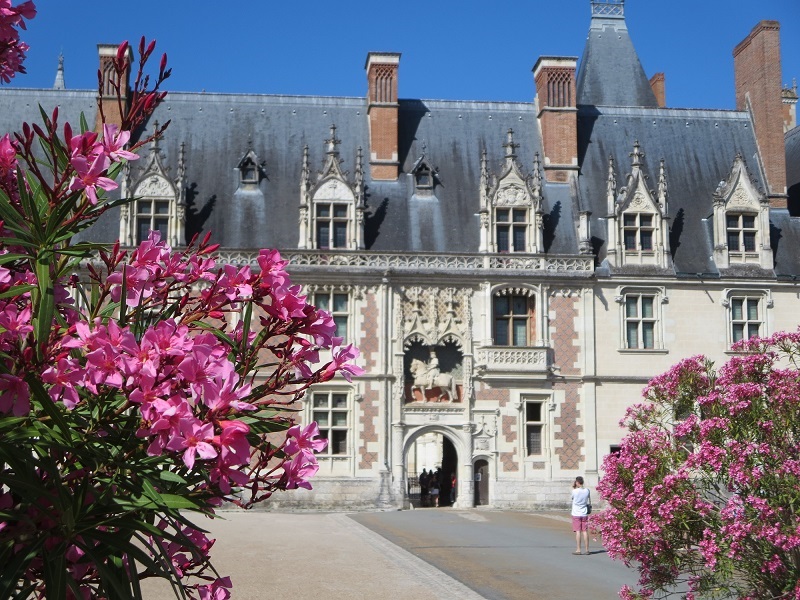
point(451, 49)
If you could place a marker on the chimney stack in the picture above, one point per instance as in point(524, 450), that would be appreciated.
point(757, 67)
point(107, 94)
point(382, 112)
point(658, 85)
point(558, 115)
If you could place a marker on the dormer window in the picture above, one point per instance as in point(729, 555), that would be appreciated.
point(248, 170)
point(248, 173)
point(637, 231)
point(638, 228)
point(741, 221)
point(424, 179)
point(511, 213)
point(332, 221)
point(332, 210)
point(742, 232)
point(511, 227)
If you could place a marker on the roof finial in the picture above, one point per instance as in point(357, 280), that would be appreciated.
point(608, 8)
point(637, 155)
point(332, 141)
point(59, 83)
point(510, 146)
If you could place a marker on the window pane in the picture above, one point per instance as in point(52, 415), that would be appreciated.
point(519, 239)
point(501, 332)
point(748, 221)
point(338, 443)
point(520, 305)
point(340, 211)
point(501, 306)
point(647, 307)
point(501, 215)
point(162, 208)
point(520, 332)
point(520, 215)
point(502, 239)
point(646, 220)
point(340, 302)
point(647, 240)
point(631, 306)
point(629, 220)
point(142, 229)
point(145, 206)
point(339, 419)
point(323, 210)
point(630, 240)
point(339, 235)
point(732, 221)
point(749, 241)
point(534, 439)
point(733, 241)
point(322, 301)
point(648, 335)
point(752, 309)
point(323, 235)
point(321, 418)
point(339, 401)
point(162, 226)
point(738, 332)
point(533, 411)
point(341, 327)
point(320, 400)
point(736, 309)
point(632, 334)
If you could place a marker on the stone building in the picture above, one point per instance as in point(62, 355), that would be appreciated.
point(513, 273)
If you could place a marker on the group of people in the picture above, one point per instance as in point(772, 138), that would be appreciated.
point(431, 484)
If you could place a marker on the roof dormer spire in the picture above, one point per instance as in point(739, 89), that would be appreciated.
point(59, 82)
point(510, 146)
point(608, 8)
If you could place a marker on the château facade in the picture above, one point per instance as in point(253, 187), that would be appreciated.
point(513, 273)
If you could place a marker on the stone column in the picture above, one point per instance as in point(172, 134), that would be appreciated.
point(466, 486)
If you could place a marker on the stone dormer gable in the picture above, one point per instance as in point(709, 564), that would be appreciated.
point(741, 220)
point(511, 205)
point(425, 176)
point(159, 203)
point(638, 222)
point(332, 208)
point(250, 172)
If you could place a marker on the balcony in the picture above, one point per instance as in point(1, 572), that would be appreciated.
point(503, 362)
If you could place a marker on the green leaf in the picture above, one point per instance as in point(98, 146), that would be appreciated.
point(17, 290)
point(45, 302)
point(171, 477)
point(55, 576)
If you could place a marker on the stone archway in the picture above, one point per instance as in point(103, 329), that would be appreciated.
point(432, 449)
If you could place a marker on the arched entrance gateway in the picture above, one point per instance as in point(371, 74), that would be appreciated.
point(435, 452)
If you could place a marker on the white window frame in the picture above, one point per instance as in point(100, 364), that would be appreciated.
point(342, 318)
point(731, 299)
point(531, 300)
point(638, 228)
point(660, 298)
point(331, 219)
point(528, 402)
point(511, 226)
point(152, 217)
point(741, 254)
point(327, 427)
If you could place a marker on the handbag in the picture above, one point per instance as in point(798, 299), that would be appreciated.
point(588, 509)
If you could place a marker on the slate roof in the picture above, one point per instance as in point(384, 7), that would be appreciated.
point(610, 73)
point(793, 168)
point(616, 108)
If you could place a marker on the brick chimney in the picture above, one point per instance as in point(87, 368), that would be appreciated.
point(658, 85)
point(382, 111)
point(107, 94)
point(757, 70)
point(558, 115)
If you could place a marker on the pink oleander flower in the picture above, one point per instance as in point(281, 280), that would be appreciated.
point(299, 470)
point(195, 440)
point(15, 396)
point(8, 156)
point(89, 176)
point(114, 143)
point(303, 440)
point(218, 590)
point(341, 362)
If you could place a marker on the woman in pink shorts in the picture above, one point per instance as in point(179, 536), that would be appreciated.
point(581, 506)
